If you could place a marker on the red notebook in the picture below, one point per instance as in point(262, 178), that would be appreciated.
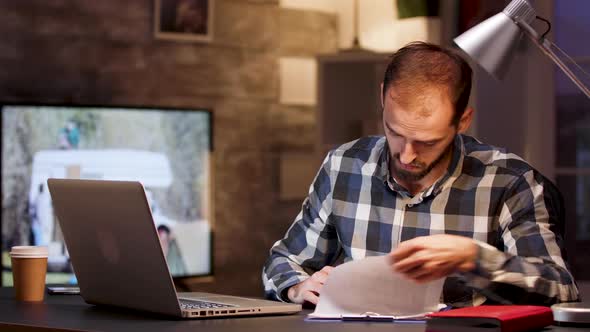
point(510, 318)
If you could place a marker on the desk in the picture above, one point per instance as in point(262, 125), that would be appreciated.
point(70, 312)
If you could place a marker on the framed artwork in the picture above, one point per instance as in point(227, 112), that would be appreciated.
point(185, 20)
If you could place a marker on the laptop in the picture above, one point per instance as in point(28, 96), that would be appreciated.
point(116, 253)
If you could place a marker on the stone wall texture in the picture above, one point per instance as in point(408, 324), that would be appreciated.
point(104, 53)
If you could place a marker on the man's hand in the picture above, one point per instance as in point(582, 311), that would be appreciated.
point(428, 258)
point(310, 289)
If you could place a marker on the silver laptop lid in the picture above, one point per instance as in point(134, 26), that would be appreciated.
point(113, 244)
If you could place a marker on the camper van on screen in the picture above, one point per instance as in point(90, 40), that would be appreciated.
point(150, 168)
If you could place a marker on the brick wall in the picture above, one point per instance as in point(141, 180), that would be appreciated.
point(104, 53)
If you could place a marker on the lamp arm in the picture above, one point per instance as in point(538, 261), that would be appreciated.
point(543, 44)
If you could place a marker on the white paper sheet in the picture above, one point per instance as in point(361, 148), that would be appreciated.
point(371, 286)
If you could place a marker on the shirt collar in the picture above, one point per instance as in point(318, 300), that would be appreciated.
point(452, 173)
point(455, 167)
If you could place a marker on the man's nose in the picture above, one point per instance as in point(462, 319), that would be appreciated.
point(408, 154)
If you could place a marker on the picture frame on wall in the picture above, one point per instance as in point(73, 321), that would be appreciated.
point(184, 20)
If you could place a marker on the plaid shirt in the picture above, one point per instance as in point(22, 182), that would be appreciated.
point(355, 209)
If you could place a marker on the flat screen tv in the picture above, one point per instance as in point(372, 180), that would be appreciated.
point(168, 150)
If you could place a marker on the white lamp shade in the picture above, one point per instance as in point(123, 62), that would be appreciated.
point(492, 43)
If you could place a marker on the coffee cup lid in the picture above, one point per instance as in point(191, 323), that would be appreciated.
point(29, 252)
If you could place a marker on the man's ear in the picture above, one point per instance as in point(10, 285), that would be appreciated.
point(465, 120)
point(381, 95)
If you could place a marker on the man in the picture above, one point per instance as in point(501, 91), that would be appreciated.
point(438, 202)
point(170, 250)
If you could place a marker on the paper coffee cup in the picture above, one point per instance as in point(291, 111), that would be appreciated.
point(29, 267)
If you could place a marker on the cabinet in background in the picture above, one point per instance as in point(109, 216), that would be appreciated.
point(349, 104)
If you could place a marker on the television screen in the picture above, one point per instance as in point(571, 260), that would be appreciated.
point(167, 150)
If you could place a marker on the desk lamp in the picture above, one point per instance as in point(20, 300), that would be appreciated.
point(492, 44)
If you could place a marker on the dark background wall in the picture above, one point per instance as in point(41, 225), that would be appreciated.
point(104, 53)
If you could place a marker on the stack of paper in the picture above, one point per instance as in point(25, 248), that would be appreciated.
point(370, 288)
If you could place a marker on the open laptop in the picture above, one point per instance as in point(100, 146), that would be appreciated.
point(116, 253)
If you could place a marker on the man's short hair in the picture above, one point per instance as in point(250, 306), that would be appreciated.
point(163, 228)
point(419, 65)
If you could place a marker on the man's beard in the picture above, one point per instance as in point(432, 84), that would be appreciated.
point(403, 175)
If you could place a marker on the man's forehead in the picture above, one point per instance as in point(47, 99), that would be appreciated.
point(422, 126)
point(423, 132)
point(417, 93)
point(422, 103)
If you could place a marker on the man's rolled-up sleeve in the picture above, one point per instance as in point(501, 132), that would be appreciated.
point(527, 267)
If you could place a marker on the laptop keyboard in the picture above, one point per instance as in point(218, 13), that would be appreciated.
point(194, 304)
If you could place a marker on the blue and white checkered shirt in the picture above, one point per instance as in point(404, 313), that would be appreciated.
point(355, 209)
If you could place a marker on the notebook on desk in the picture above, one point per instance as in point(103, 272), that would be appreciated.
point(508, 318)
point(116, 254)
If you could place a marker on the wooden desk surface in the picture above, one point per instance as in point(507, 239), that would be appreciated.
point(70, 312)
